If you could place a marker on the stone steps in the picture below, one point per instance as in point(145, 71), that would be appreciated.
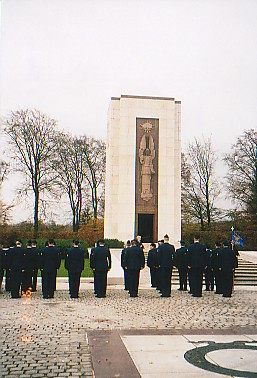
point(245, 274)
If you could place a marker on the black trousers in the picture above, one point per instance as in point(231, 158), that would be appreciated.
point(8, 284)
point(227, 282)
point(1, 278)
point(26, 281)
point(48, 284)
point(196, 277)
point(218, 281)
point(16, 276)
point(34, 279)
point(166, 274)
point(74, 283)
point(182, 278)
point(125, 279)
point(100, 283)
point(133, 281)
point(154, 276)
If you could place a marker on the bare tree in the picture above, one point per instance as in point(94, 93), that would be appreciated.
point(242, 173)
point(199, 186)
point(95, 163)
point(69, 166)
point(31, 134)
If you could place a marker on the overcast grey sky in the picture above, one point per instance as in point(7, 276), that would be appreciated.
point(67, 58)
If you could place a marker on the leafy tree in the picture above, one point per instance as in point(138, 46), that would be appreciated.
point(242, 173)
point(199, 186)
point(31, 133)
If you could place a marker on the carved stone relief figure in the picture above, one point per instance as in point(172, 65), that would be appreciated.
point(146, 157)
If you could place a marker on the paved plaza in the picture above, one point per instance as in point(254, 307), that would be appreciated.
point(120, 336)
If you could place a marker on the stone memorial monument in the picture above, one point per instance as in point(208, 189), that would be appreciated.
point(143, 168)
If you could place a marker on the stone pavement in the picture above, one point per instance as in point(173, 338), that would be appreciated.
point(116, 336)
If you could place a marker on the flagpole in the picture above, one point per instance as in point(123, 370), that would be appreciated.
point(232, 244)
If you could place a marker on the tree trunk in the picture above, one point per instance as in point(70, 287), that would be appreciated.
point(36, 211)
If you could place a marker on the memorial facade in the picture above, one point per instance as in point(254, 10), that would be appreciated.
point(143, 169)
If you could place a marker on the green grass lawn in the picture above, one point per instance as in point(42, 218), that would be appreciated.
point(62, 272)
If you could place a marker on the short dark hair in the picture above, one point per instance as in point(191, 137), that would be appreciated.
point(153, 245)
point(100, 241)
point(51, 241)
point(76, 241)
point(197, 236)
point(225, 243)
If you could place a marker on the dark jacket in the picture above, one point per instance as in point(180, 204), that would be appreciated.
point(100, 259)
point(74, 261)
point(196, 255)
point(16, 258)
point(152, 260)
point(134, 258)
point(50, 259)
point(181, 258)
point(123, 252)
point(228, 259)
point(166, 254)
point(29, 259)
point(216, 258)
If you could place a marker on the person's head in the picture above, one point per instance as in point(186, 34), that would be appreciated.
point(75, 242)
point(51, 242)
point(152, 245)
point(101, 242)
point(138, 238)
point(217, 244)
point(18, 243)
point(133, 242)
point(166, 238)
point(160, 242)
point(34, 243)
point(29, 243)
point(182, 243)
point(196, 238)
point(128, 244)
point(208, 246)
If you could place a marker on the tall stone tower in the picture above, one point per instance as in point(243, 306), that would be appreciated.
point(143, 169)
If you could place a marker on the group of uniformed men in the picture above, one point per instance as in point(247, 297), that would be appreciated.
point(194, 262)
point(22, 265)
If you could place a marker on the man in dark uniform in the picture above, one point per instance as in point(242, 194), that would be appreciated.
point(16, 268)
point(207, 270)
point(50, 262)
point(100, 263)
point(181, 263)
point(152, 263)
point(166, 254)
point(216, 262)
point(228, 263)
point(74, 263)
point(28, 264)
point(35, 264)
point(196, 264)
point(123, 252)
point(158, 270)
point(134, 261)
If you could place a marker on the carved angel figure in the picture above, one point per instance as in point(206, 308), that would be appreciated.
point(146, 156)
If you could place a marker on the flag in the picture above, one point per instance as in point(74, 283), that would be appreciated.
point(237, 239)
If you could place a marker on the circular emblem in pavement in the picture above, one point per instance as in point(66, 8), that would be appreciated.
point(197, 357)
